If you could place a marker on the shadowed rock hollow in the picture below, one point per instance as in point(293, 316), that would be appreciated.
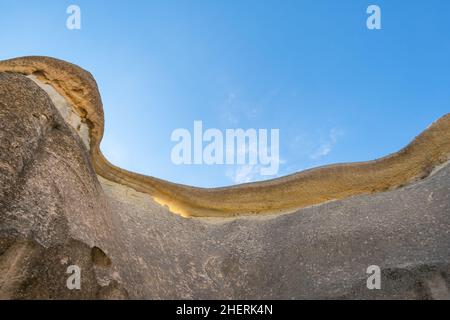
point(308, 235)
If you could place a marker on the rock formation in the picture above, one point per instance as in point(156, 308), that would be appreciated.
point(305, 236)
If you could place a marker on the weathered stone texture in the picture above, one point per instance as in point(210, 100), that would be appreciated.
point(55, 211)
point(51, 203)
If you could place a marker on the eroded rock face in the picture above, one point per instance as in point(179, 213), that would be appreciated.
point(317, 252)
point(52, 207)
point(55, 211)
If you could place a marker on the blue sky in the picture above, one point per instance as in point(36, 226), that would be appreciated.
point(337, 91)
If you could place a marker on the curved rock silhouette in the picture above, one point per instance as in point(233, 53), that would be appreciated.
point(417, 160)
point(63, 203)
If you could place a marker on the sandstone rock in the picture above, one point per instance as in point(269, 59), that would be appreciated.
point(309, 235)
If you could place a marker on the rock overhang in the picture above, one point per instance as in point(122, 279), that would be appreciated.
point(312, 187)
point(319, 251)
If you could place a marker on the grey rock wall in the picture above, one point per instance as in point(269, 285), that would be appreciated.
point(55, 212)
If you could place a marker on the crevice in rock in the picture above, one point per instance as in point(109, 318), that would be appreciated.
point(99, 258)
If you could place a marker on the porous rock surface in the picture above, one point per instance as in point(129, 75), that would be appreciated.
point(61, 204)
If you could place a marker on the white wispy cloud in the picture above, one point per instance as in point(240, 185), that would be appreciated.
point(229, 115)
point(244, 173)
point(251, 172)
point(327, 145)
point(236, 110)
